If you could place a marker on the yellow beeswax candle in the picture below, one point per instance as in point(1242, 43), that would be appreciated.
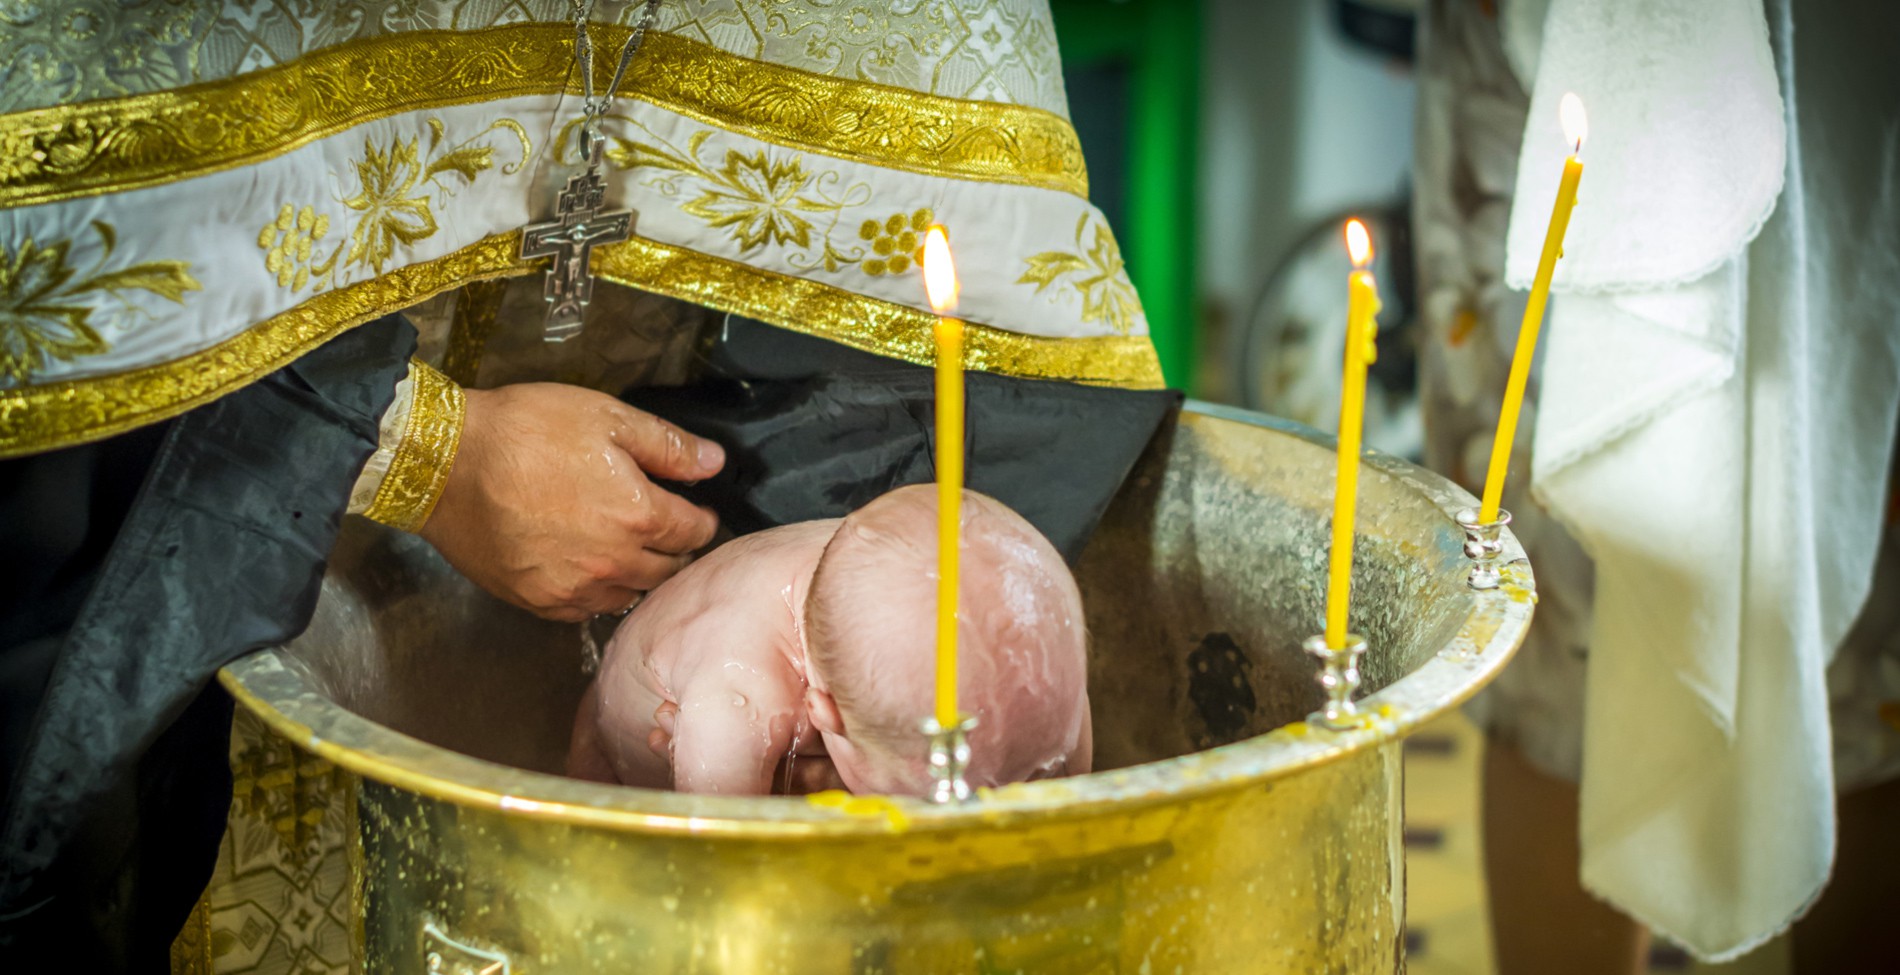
point(1576, 126)
point(1362, 307)
point(940, 281)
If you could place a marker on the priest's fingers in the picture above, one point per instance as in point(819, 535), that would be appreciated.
point(676, 526)
point(665, 451)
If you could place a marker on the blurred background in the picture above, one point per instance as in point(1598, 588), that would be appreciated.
point(1227, 141)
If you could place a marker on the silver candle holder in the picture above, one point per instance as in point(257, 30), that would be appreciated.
point(949, 759)
point(1339, 677)
point(1483, 545)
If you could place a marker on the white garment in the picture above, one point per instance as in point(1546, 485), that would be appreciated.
point(1719, 398)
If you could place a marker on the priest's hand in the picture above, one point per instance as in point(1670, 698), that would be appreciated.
point(549, 505)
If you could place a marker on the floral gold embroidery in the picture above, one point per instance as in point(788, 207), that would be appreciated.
point(391, 215)
point(897, 243)
point(1096, 274)
point(61, 413)
point(56, 414)
point(393, 212)
point(759, 198)
point(763, 198)
point(43, 314)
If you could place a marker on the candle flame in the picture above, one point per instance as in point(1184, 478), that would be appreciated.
point(1358, 243)
point(1576, 123)
point(940, 273)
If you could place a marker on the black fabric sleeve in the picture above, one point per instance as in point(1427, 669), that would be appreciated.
point(119, 784)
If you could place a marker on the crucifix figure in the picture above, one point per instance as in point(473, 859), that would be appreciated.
point(570, 237)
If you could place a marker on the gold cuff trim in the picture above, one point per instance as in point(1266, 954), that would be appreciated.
point(36, 418)
point(59, 414)
point(421, 466)
point(118, 144)
point(872, 324)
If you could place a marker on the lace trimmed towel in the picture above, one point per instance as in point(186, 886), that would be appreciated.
point(1718, 401)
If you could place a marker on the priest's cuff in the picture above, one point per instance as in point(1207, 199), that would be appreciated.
point(403, 479)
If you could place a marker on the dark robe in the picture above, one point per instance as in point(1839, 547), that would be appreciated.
point(813, 429)
point(136, 567)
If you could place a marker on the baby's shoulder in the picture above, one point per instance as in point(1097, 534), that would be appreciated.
point(721, 630)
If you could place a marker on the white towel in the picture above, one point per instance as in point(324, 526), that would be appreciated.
point(1718, 404)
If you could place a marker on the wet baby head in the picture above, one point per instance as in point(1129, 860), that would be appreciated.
point(870, 623)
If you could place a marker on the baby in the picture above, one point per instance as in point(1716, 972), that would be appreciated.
point(819, 639)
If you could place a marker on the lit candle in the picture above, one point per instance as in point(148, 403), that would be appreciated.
point(940, 281)
point(1362, 305)
point(1576, 126)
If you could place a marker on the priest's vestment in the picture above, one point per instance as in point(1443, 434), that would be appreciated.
point(251, 254)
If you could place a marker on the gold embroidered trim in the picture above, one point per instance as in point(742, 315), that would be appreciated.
point(36, 418)
point(871, 324)
point(860, 120)
point(401, 187)
point(118, 144)
point(191, 949)
point(421, 466)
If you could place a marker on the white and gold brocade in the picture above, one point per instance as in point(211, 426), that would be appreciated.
point(973, 49)
point(180, 218)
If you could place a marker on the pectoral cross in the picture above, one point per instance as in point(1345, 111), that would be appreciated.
point(578, 225)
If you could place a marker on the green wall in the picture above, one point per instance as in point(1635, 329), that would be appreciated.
point(1159, 42)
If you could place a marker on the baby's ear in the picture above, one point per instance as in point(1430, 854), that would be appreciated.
point(824, 712)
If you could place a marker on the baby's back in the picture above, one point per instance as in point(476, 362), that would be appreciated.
point(709, 657)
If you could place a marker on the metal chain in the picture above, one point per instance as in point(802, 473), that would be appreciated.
point(593, 108)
